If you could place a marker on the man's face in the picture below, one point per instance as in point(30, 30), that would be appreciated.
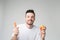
point(30, 17)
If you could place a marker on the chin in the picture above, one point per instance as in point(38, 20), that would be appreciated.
point(30, 23)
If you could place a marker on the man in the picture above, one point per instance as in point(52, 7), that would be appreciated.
point(28, 31)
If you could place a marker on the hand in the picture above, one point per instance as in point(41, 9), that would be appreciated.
point(43, 31)
point(15, 30)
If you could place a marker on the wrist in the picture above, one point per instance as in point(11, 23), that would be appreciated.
point(43, 38)
point(15, 34)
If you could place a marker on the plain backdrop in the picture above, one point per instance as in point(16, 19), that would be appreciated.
point(47, 13)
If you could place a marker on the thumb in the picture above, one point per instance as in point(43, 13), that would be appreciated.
point(17, 27)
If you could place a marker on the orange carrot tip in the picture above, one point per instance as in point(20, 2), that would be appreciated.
point(14, 24)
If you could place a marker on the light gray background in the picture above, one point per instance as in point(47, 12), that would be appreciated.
point(47, 13)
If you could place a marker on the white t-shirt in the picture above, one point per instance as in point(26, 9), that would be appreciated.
point(28, 34)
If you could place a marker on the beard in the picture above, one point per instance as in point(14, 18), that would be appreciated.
point(30, 22)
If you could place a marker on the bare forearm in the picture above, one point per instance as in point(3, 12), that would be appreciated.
point(14, 38)
point(43, 39)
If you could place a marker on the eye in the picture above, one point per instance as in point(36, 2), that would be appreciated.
point(27, 16)
point(32, 17)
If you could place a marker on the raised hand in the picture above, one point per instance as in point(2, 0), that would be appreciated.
point(43, 31)
point(15, 30)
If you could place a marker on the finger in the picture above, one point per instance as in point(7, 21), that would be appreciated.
point(14, 24)
point(17, 27)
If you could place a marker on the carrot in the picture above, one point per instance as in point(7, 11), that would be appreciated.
point(14, 24)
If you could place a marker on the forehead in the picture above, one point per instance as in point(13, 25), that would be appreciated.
point(29, 14)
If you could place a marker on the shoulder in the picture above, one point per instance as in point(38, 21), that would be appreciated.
point(37, 28)
point(20, 25)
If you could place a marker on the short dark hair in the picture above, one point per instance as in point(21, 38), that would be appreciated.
point(30, 11)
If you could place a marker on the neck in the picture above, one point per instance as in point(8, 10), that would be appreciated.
point(29, 26)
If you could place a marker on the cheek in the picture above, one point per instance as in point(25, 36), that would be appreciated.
point(26, 19)
point(33, 18)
